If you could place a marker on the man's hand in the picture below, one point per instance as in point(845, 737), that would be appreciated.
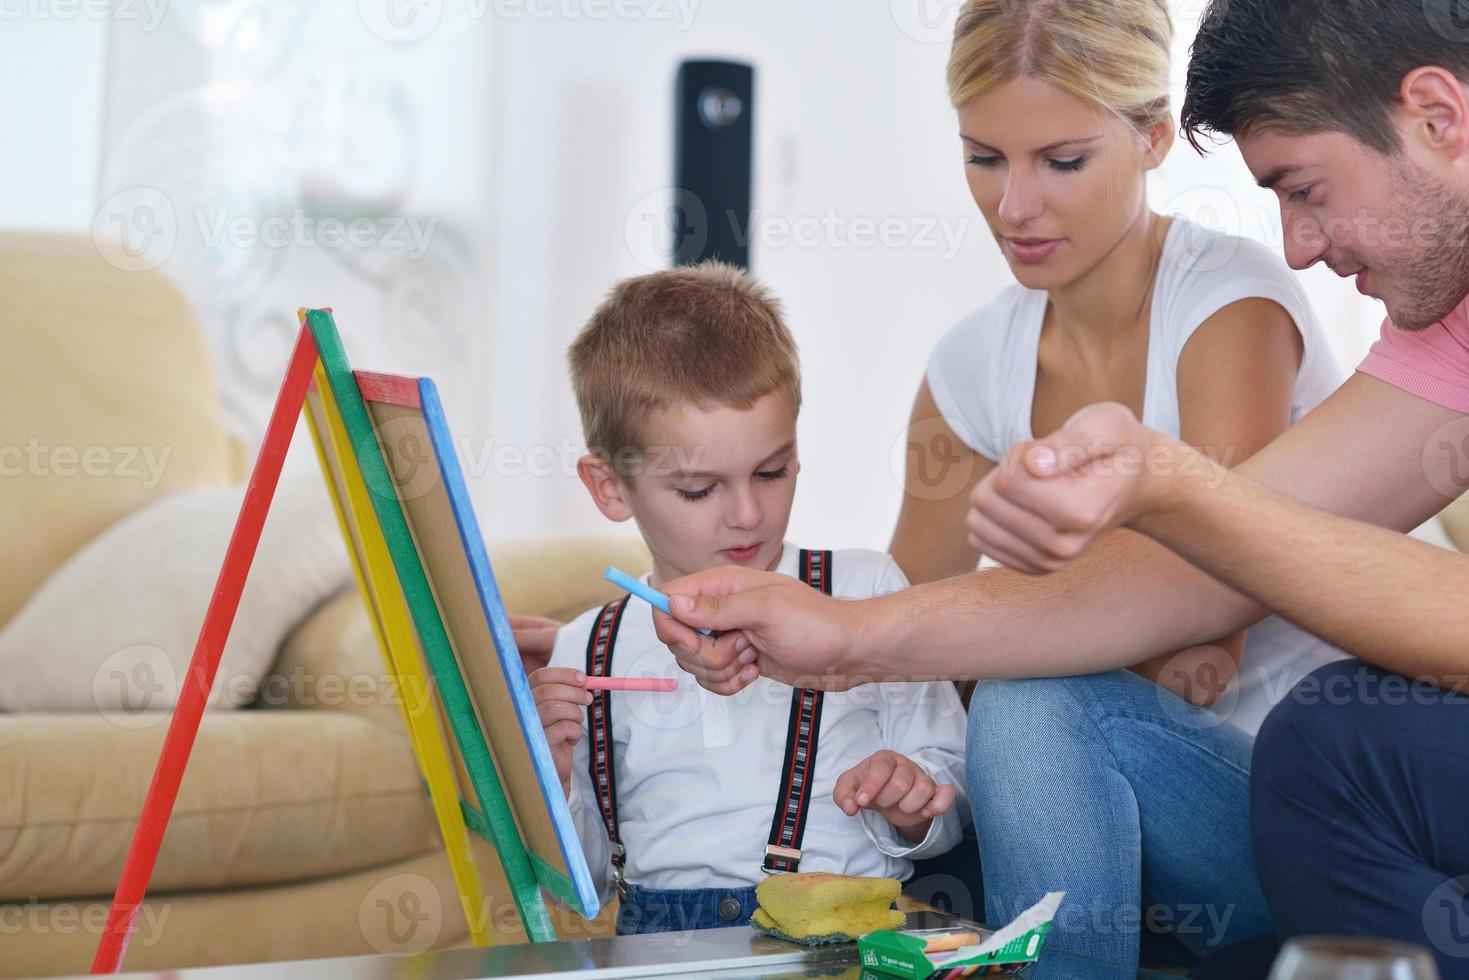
point(771, 625)
point(535, 638)
point(1049, 500)
point(561, 700)
point(897, 788)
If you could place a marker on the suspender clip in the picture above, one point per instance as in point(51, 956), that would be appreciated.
point(779, 860)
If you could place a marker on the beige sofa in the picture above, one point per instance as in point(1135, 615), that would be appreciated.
point(296, 826)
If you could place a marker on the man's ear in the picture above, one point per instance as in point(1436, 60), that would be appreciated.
point(1159, 140)
point(607, 490)
point(1436, 112)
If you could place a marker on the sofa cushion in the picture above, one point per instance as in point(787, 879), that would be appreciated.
point(268, 797)
point(107, 401)
point(114, 628)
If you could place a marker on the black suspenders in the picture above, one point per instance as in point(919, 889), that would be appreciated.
point(783, 850)
point(599, 723)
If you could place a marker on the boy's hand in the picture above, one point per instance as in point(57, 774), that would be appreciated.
point(896, 787)
point(535, 638)
point(561, 700)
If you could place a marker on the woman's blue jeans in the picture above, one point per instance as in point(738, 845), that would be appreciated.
point(1129, 799)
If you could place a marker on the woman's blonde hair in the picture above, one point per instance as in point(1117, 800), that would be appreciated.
point(1114, 54)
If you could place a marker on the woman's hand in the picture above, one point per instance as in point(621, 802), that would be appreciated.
point(774, 625)
point(535, 638)
point(897, 788)
point(1049, 500)
point(561, 698)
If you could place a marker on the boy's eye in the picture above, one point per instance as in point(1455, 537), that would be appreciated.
point(695, 494)
point(773, 474)
point(1075, 163)
point(983, 161)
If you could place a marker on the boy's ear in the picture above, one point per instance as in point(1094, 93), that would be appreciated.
point(603, 484)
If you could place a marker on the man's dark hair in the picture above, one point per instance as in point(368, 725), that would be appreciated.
point(1314, 66)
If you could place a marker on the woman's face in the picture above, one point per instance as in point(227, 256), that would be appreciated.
point(1059, 181)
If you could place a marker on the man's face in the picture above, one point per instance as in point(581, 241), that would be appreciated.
point(1393, 221)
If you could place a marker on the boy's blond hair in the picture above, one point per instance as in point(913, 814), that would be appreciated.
point(709, 335)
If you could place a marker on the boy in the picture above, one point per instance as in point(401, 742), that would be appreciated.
point(689, 387)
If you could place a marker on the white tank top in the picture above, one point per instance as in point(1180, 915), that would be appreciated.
point(982, 376)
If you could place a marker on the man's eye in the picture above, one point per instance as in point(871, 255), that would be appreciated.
point(1300, 196)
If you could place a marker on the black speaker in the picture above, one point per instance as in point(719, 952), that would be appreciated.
point(712, 162)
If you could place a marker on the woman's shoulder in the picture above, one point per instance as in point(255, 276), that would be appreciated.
point(1196, 257)
point(991, 326)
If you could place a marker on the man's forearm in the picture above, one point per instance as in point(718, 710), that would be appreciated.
point(1393, 601)
point(1124, 602)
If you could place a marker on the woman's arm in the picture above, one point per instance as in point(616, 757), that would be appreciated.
point(940, 472)
point(1236, 380)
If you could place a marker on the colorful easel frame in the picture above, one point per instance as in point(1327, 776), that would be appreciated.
point(406, 563)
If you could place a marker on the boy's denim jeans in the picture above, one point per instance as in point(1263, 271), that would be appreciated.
point(645, 910)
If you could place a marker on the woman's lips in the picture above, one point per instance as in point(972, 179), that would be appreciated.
point(1031, 250)
point(744, 554)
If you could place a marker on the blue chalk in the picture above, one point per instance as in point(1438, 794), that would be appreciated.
point(646, 593)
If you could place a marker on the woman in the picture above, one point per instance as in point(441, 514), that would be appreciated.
point(1130, 797)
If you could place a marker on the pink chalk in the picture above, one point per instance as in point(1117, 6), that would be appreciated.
point(659, 684)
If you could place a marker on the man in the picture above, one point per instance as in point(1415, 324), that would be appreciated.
point(1355, 114)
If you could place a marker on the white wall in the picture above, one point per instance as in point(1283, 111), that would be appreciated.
point(852, 121)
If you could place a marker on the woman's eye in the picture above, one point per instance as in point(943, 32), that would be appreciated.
point(1075, 163)
point(773, 474)
point(983, 161)
point(695, 494)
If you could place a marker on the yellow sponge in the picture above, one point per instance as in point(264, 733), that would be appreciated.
point(816, 907)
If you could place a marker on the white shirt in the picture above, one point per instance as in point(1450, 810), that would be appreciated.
point(982, 376)
point(697, 774)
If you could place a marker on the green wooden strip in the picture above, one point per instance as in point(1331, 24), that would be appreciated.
point(555, 882)
point(458, 705)
point(476, 821)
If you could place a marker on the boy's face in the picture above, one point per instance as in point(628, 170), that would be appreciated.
point(714, 487)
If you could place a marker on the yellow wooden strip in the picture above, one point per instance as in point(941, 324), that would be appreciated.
point(394, 630)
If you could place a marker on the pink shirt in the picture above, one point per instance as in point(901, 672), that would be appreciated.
point(1432, 364)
